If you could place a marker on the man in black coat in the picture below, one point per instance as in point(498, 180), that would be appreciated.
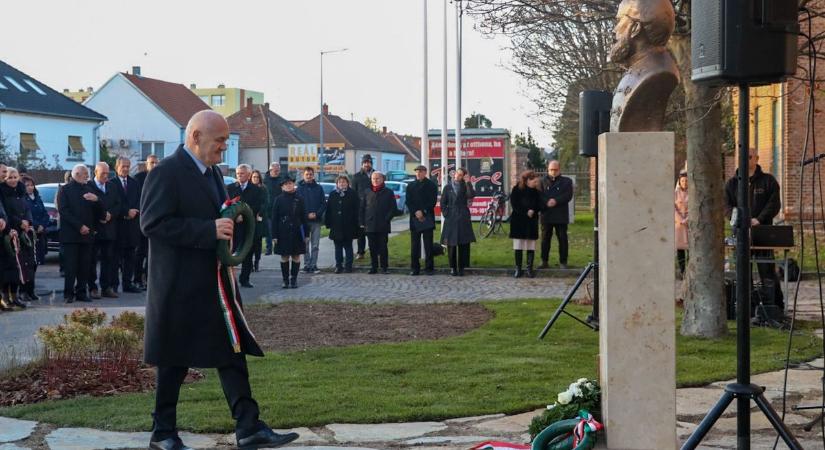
point(128, 223)
point(421, 197)
point(254, 197)
point(272, 181)
point(104, 246)
point(184, 323)
point(765, 204)
point(361, 184)
point(142, 256)
point(375, 217)
point(80, 210)
point(557, 191)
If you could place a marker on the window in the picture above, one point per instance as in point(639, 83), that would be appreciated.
point(15, 84)
point(28, 145)
point(76, 148)
point(775, 163)
point(755, 143)
point(3, 86)
point(151, 148)
point(205, 98)
point(218, 100)
point(35, 87)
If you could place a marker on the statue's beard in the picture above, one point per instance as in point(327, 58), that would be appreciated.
point(621, 52)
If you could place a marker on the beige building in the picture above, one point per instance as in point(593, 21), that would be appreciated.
point(79, 96)
point(226, 100)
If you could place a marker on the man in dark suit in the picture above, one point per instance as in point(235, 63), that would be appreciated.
point(421, 198)
point(142, 256)
point(128, 223)
point(104, 246)
point(361, 184)
point(80, 210)
point(254, 197)
point(557, 191)
point(184, 323)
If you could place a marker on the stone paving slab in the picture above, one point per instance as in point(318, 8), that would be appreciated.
point(463, 420)
point(90, 439)
point(383, 432)
point(510, 424)
point(306, 436)
point(14, 430)
point(12, 447)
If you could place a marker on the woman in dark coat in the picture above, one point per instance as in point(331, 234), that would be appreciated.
point(257, 180)
point(19, 272)
point(341, 218)
point(526, 202)
point(40, 217)
point(376, 212)
point(457, 231)
point(289, 225)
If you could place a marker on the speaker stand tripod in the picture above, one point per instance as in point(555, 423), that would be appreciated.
point(592, 321)
point(743, 390)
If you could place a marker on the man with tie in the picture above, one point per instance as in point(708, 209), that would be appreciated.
point(185, 326)
point(104, 245)
point(254, 197)
point(128, 223)
point(143, 249)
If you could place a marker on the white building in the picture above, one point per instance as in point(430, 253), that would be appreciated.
point(148, 116)
point(42, 128)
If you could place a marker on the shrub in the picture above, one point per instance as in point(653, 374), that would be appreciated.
point(583, 394)
point(70, 339)
point(131, 321)
point(116, 340)
point(88, 317)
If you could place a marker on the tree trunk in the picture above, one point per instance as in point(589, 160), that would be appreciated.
point(704, 277)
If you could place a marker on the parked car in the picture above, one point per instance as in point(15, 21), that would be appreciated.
point(328, 188)
point(398, 175)
point(48, 192)
point(400, 191)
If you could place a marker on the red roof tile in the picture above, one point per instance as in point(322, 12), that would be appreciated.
point(174, 98)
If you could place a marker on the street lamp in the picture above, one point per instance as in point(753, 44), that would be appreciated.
point(321, 154)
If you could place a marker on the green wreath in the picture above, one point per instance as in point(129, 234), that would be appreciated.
point(232, 211)
point(559, 436)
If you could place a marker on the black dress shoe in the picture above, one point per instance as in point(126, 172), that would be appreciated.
point(385, 271)
point(265, 438)
point(168, 444)
point(339, 270)
point(69, 299)
point(429, 272)
point(16, 302)
point(373, 271)
point(247, 285)
point(131, 288)
point(453, 273)
point(415, 273)
point(84, 299)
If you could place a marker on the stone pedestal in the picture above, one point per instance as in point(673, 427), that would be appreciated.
point(637, 331)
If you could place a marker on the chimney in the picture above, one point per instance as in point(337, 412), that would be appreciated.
point(89, 89)
point(221, 86)
point(266, 106)
point(136, 70)
point(193, 86)
point(326, 109)
point(249, 106)
point(384, 130)
point(65, 90)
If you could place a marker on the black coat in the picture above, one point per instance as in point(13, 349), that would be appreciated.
point(128, 230)
point(75, 211)
point(289, 224)
point(521, 225)
point(421, 196)
point(764, 196)
point(377, 210)
point(561, 189)
point(17, 208)
point(458, 225)
point(273, 187)
point(110, 201)
point(252, 196)
point(342, 215)
point(362, 183)
point(184, 323)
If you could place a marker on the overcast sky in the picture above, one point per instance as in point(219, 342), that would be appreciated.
point(273, 47)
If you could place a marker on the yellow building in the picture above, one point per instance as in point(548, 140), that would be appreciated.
point(766, 133)
point(226, 101)
point(79, 96)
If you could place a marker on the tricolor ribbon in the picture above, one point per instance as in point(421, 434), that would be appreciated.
point(587, 424)
point(229, 296)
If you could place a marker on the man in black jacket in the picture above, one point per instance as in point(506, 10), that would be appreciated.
point(272, 181)
point(80, 210)
point(104, 245)
point(142, 256)
point(128, 223)
point(185, 326)
point(421, 197)
point(361, 184)
point(254, 197)
point(765, 204)
point(557, 191)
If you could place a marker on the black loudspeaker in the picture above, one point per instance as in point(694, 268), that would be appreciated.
point(594, 119)
point(743, 41)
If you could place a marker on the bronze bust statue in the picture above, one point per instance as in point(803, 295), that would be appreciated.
point(642, 32)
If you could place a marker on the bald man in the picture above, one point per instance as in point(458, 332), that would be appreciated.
point(185, 326)
point(104, 241)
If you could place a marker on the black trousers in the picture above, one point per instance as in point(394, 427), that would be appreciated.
point(767, 271)
point(141, 259)
point(343, 253)
point(362, 244)
point(103, 252)
point(547, 236)
point(378, 249)
point(459, 256)
point(76, 260)
point(236, 389)
point(415, 249)
point(126, 263)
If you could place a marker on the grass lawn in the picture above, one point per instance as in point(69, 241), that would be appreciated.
point(497, 250)
point(500, 367)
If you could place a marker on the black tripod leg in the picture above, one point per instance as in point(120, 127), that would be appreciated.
point(810, 425)
point(777, 423)
point(708, 422)
point(566, 300)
